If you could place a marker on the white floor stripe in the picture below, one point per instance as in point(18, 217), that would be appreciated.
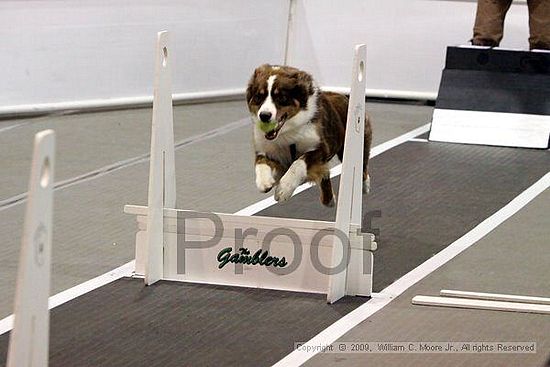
point(6, 324)
point(354, 318)
point(126, 269)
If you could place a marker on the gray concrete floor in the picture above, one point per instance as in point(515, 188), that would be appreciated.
point(91, 234)
point(513, 259)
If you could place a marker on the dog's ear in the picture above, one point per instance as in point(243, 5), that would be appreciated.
point(250, 90)
point(303, 88)
point(252, 83)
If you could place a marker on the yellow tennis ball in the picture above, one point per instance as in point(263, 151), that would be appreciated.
point(267, 126)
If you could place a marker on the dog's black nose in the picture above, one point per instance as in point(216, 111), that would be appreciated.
point(265, 116)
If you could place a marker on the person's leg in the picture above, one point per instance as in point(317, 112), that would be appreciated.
point(539, 24)
point(489, 24)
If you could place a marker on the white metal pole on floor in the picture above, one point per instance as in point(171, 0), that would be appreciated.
point(162, 176)
point(481, 304)
point(350, 191)
point(29, 339)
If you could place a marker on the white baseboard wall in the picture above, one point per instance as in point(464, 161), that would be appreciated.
point(91, 105)
point(116, 103)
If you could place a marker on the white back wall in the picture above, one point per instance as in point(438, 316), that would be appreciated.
point(56, 51)
point(87, 52)
point(406, 40)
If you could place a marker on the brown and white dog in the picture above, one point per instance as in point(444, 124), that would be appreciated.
point(305, 129)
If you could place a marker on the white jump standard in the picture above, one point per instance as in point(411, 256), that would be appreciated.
point(334, 258)
point(29, 339)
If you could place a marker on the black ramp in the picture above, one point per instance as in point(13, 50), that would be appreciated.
point(428, 195)
point(494, 92)
point(495, 80)
point(178, 324)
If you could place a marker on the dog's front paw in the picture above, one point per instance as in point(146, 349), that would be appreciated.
point(265, 184)
point(284, 191)
point(264, 178)
point(293, 178)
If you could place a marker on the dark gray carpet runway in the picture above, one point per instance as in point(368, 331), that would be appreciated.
point(176, 324)
point(427, 195)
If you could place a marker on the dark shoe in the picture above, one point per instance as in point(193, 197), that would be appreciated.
point(484, 42)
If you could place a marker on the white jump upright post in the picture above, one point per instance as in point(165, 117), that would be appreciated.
point(348, 213)
point(162, 170)
point(29, 339)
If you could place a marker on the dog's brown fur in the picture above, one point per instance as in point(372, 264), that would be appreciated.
point(299, 106)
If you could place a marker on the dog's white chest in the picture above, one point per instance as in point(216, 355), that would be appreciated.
point(305, 138)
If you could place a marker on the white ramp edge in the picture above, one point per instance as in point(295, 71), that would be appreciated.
point(490, 128)
point(29, 339)
point(162, 169)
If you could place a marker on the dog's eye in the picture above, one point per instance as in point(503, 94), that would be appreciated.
point(258, 98)
point(283, 100)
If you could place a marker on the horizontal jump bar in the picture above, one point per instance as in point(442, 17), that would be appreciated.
point(494, 297)
point(481, 304)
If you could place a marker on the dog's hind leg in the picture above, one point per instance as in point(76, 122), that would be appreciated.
point(366, 155)
point(327, 195)
point(320, 174)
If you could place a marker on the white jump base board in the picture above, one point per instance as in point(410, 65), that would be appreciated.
point(490, 128)
point(201, 265)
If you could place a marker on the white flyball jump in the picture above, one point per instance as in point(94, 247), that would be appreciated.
point(333, 258)
point(29, 339)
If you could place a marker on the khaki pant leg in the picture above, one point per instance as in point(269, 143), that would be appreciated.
point(489, 24)
point(539, 23)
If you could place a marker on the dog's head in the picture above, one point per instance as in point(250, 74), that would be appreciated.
point(279, 96)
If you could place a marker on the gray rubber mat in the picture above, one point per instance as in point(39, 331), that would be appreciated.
point(424, 196)
point(177, 324)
